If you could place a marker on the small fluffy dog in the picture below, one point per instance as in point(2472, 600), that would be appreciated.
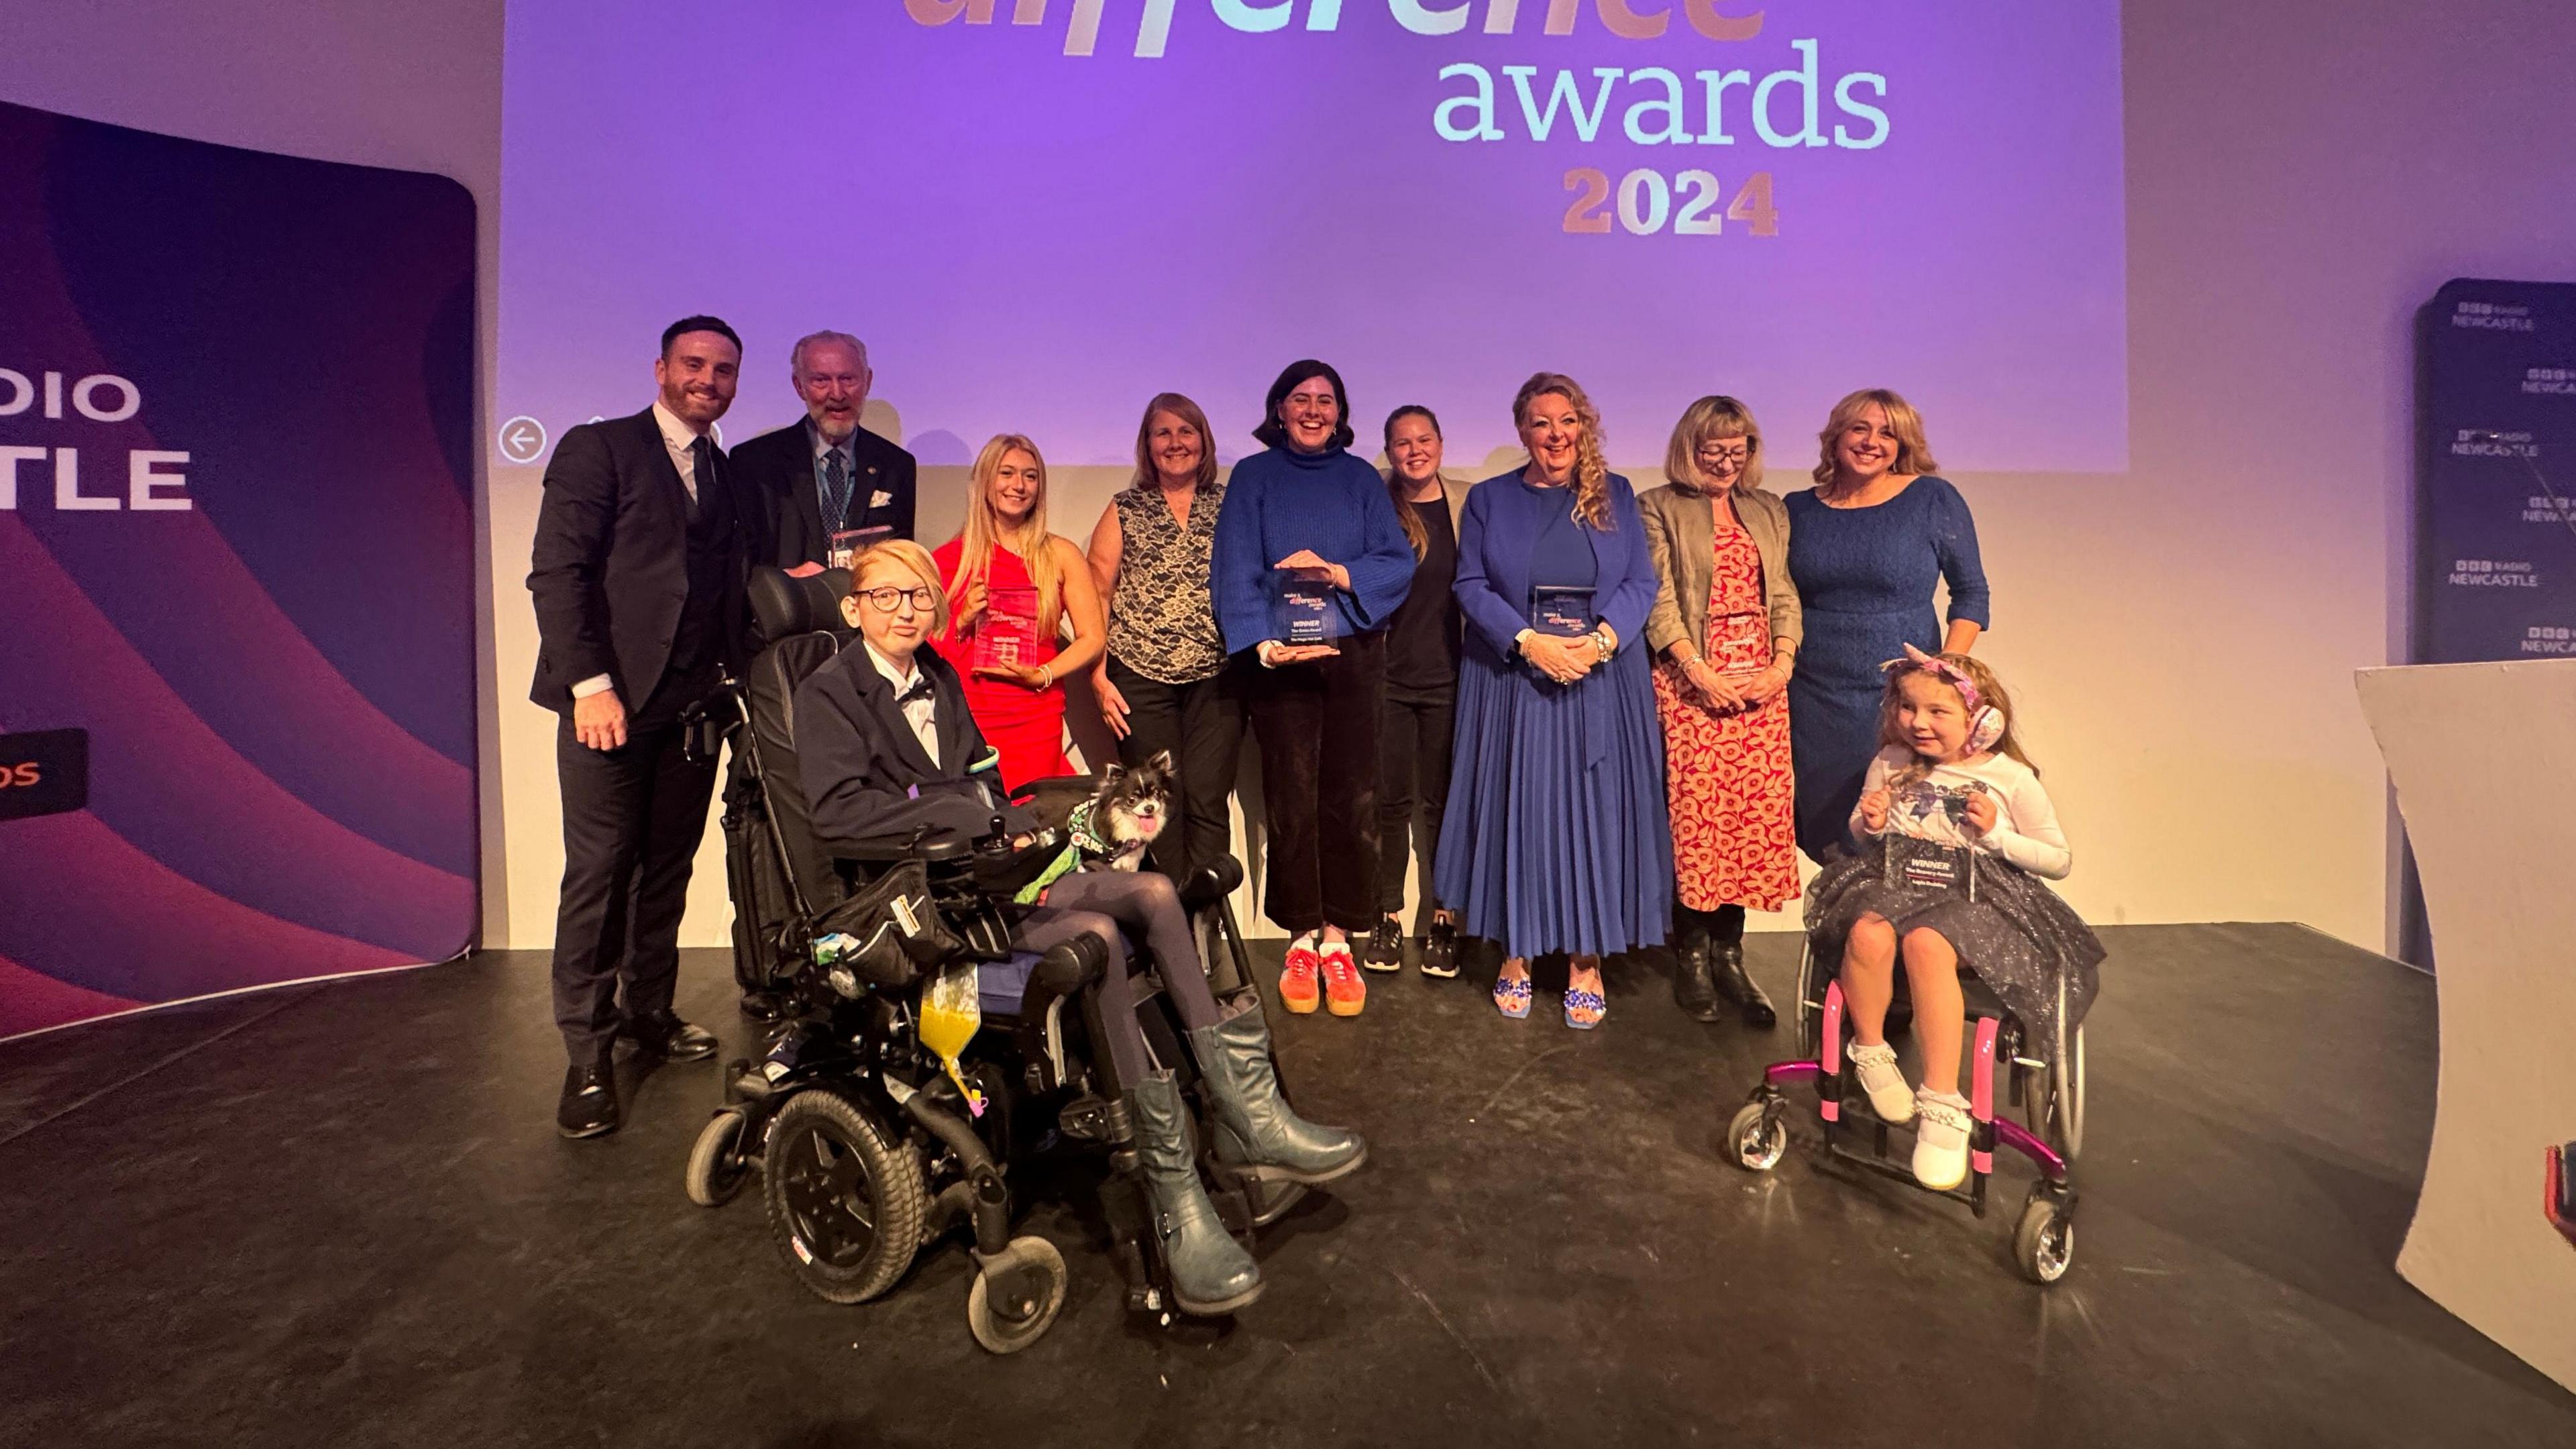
point(1125, 814)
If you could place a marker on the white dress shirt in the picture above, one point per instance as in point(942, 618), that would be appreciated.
point(922, 714)
point(677, 437)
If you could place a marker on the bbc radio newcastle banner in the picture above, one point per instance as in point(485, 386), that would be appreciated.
point(2495, 528)
point(236, 569)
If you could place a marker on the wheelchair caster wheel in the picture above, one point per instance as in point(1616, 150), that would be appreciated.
point(1757, 1138)
point(717, 1166)
point(2044, 1241)
point(1016, 1296)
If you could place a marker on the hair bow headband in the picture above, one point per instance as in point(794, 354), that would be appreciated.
point(1934, 664)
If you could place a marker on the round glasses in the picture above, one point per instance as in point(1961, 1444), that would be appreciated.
point(885, 599)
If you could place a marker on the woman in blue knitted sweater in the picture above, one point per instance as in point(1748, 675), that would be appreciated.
point(1310, 562)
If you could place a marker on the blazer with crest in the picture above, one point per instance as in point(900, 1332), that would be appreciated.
point(868, 781)
point(610, 568)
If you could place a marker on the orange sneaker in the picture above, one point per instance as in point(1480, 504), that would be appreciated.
point(1344, 992)
point(1297, 989)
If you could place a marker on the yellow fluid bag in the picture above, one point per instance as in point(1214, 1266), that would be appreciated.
point(950, 1013)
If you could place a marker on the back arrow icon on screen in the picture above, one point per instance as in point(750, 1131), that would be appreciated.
point(523, 439)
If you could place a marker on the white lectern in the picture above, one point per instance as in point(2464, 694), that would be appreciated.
point(2484, 758)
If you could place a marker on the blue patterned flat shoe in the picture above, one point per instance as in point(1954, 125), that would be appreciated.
point(1590, 1003)
point(1512, 998)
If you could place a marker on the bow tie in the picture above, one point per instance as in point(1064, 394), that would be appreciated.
point(920, 690)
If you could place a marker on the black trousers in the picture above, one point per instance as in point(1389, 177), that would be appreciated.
point(632, 817)
point(1201, 723)
point(1413, 739)
point(1317, 726)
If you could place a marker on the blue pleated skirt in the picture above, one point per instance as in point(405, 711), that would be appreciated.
point(1556, 837)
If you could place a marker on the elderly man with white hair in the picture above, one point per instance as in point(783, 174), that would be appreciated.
point(826, 477)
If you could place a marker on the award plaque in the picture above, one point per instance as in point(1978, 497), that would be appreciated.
point(849, 543)
point(1305, 612)
point(1007, 635)
point(1561, 611)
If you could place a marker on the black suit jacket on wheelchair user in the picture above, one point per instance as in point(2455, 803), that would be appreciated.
point(777, 472)
point(868, 782)
point(611, 563)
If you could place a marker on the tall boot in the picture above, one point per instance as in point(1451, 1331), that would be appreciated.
point(1255, 1127)
point(1693, 991)
point(1726, 969)
point(1211, 1273)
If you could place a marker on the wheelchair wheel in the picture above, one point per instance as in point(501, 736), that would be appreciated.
point(1811, 1006)
point(845, 1200)
point(1016, 1296)
point(1757, 1139)
point(2044, 1241)
point(718, 1165)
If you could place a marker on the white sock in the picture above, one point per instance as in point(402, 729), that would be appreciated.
point(1337, 948)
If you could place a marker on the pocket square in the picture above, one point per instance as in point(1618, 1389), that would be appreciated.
point(880, 499)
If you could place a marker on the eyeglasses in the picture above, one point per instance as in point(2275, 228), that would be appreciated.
point(888, 597)
point(1719, 453)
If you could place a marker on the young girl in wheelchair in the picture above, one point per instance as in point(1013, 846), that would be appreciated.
point(887, 747)
point(1957, 836)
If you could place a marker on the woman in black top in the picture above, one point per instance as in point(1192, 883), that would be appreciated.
point(1422, 643)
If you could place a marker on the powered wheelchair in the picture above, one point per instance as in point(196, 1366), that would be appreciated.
point(2044, 1081)
point(864, 1146)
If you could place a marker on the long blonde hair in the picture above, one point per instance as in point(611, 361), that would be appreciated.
point(985, 531)
point(1990, 694)
point(1591, 471)
point(1711, 419)
point(1913, 454)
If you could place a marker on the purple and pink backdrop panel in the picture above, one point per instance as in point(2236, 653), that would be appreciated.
point(236, 550)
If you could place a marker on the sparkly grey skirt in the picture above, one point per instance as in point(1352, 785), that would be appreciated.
point(2005, 923)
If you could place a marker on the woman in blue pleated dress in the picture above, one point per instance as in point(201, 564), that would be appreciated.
point(1867, 547)
point(1556, 838)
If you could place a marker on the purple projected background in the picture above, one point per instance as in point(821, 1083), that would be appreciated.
point(1036, 240)
point(277, 679)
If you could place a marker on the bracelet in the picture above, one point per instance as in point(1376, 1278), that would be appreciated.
point(1046, 676)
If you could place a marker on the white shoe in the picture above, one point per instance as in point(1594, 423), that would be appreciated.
point(1889, 1097)
point(1941, 1141)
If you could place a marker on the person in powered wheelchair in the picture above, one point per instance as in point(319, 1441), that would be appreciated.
point(1957, 838)
point(890, 759)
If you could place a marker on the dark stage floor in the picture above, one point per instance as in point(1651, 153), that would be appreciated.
point(339, 1215)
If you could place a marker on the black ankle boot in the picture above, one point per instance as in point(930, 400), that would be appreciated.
point(1693, 991)
point(1726, 971)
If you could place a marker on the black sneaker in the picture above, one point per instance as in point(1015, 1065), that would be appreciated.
point(1440, 950)
point(1384, 948)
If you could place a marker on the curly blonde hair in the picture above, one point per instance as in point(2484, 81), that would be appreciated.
point(1913, 453)
point(1591, 471)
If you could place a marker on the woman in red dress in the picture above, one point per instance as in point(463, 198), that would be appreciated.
point(1725, 631)
point(1015, 591)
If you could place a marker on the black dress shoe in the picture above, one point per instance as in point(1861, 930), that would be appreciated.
point(764, 1005)
point(589, 1105)
point(665, 1035)
point(1726, 970)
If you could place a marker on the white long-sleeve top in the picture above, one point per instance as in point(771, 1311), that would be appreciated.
point(2026, 831)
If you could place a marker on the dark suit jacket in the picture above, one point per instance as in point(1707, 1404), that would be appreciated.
point(611, 566)
point(777, 468)
point(867, 779)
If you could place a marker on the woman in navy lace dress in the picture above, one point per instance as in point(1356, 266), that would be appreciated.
point(1867, 547)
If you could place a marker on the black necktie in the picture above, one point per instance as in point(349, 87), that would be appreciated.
point(836, 491)
point(702, 467)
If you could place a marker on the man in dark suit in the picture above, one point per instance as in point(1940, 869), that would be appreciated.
point(638, 576)
point(825, 475)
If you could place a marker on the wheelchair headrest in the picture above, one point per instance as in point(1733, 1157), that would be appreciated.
point(782, 607)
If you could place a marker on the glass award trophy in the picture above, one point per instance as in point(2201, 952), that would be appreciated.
point(849, 543)
point(1305, 612)
point(1007, 635)
point(1564, 612)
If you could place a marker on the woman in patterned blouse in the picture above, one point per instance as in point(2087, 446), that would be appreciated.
point(1165, 685)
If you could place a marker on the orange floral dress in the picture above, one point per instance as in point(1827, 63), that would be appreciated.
point(1726, 777)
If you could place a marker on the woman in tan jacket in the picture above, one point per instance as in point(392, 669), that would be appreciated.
point(1725, 631)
